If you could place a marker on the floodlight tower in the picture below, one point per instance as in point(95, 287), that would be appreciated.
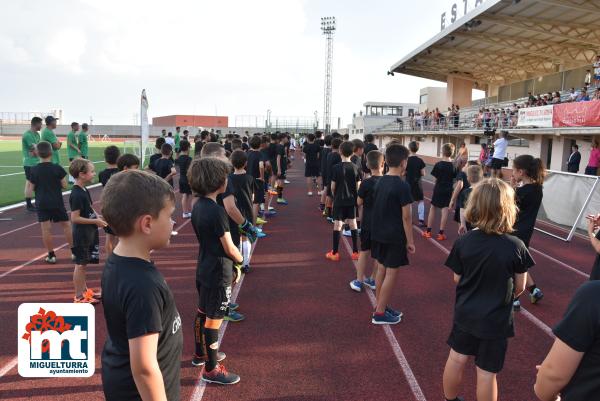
point(328, 29)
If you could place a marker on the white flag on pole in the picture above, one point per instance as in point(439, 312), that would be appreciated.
point(144, 127)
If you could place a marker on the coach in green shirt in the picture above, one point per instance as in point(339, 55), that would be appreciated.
point(30, 158)
point(49, 136)
point(83, 141)
point(177, 139)
point(72, 145)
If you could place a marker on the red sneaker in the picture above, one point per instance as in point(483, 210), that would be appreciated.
point(426, 234)
point(441, 237)
point(334, 257)
point(355, 255)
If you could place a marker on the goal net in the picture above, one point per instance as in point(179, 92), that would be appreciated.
point(135, 148)
point(568, 199)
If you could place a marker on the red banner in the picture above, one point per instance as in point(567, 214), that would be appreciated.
point(578, 114)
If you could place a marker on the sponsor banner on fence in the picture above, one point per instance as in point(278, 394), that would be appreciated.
point(536, 117)
point(578, 114)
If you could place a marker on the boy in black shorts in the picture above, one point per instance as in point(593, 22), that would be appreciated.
point(256, 168)
point(391, 231)
point(142, 352)
point(415, 170)
point(48, 180)
point(333, 158)
point(158, 149)
point(365, 199)
point(369, 146)
point(474, 175)
point(111, 155)
point(183, 162)
point(312, 163)
point(345, 180)
point(282, 164)
point(215, 271)
point(244, 185)
point(444, 173)
point(85, 220)
point(165, 167)
point(325, 150)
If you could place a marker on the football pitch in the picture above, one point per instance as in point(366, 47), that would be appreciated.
point(12, 176)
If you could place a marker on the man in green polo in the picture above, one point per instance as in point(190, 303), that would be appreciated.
point(49, 136)
point(83, 141)
point(177, 140)
point(30, 158)
point(72, 144)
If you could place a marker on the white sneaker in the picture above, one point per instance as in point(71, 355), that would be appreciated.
point(346, 233)
point(186, 215)
point(286, 182)
point(310, 194)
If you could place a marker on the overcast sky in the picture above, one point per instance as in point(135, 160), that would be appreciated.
point(234, 58)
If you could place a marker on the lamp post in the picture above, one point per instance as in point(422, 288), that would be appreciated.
point(328, 26)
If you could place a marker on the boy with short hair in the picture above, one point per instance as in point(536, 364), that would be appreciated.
point(128, 161)
point(48, 135)
point(165, 167)
point(236, 144)
point(82, 140)
point(415, 170)
point(474, 175)
point(366, 198)
point(358, 153)
point(256, 168)
point(333, 158)
point(311, 152)
point(325, 150)
point(282, 164)
point(142, 352)
point(29, 140)
point(85, 220)
point(444, 173)
point(215, 271)
point(48, 180)
point(391, 231)
point(345, 180)
point(72, 145)
point(111, 155)
point(157, 155)
point(177, 140)
point(183, 161)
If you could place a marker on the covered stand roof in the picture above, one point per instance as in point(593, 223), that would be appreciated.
point(505, 41)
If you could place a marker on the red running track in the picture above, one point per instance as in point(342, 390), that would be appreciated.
point(306, 336)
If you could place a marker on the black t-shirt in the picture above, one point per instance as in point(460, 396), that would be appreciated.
point(244, 187)
point(227, 146)
point(253, 165)
point(346, 176)
point(367, 193)
point(210, 222)
point(137, 301)
point(183, 162)
point(392, 193)
point(463, 197)
point(444, 172)
point(47, 178)
point(152, 161)
point(414, 165)
point(312, 152)
point(282, 154)
point(487, 264)
point(198, 148)
point(580, 330)
point(333, 158)
point(245, 147)
point(163, 168)
point(105, 175)
point(596, 268)
point(368, 147)
point(324, 153)
point(230, 191)
point(529, 198)
point(272, 151)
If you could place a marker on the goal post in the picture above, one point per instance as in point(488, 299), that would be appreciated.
point(135, 147)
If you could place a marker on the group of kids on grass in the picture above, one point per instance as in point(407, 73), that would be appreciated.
point(490, 260)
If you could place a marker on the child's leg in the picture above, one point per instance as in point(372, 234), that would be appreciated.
point(421, 210)
point(309, 186)
point(245, 250)
point(211, 342)
point(79, 280)
point(487, 386)
point(387, 287)
point(363, 259)
point(66, 227)
point(337, 228)
point(255, 207)
point(47, 235)
point(354, 234)
point(431, 217)
point(453, 374)
point(199, 323)
point(444, 219)
point(184, 203)
point(379, 278)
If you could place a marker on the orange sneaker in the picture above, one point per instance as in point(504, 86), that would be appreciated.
point(89, 293)
point(85, 300)
point(426, 234)
point(441, 237)
point(355, 255)
point(271, 192)
point(334, 257)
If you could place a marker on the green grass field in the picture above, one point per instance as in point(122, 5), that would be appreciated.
point(12, 176)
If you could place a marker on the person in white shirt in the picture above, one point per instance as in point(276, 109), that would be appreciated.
point(170, 140)
point(499, 154)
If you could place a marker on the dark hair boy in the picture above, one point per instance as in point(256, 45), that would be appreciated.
point(183, 162)
point(165, 167)
point(415, 170)
point(312, 166)
point(128, 161)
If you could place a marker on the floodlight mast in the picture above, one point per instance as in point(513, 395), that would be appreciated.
point(328, 27)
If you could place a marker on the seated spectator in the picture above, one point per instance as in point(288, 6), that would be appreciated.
point(597, 94)
point(573, 95)
point(583, 96)
point(556, 98)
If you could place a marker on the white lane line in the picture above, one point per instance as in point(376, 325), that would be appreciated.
point(14, 269)
point(398, 353)
point(537, 322)
point(18, 229)
point(21, 204)
point(8, 367)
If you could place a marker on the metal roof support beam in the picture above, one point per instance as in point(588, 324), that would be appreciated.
point(571, 5)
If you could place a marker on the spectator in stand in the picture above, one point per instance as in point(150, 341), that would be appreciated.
point(574, 159)
point(499, 154)
point(596, 66)
point(588, 78)
point(556, 98)
point(583, 96)
point(594, 161)
point(530, 98)
point(596, 94)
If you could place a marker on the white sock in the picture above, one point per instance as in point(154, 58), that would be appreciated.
point(246, 246)
point(421, 210)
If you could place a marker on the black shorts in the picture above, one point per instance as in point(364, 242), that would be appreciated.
point(86, 246)
point(27, 172)
point(311, 171)
point(365, 240)
point(441, 197)
point(184, 188)
point(281, 176)
point(329, 193)
point(259, 192)
point(416, 191)
point(497, 164)
point(390, 256)
point(489, 354)
point(213, 301)
point(53, 215)
point(341, 213)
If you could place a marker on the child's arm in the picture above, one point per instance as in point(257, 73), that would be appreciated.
point(230, 249)
point(556, 371)
point(332, 184)
point(63, 183)
point(144, 367)
point(463, 222)
point(171, 174)
point(591, 227)
point(278, 164)
point(407, 223)
point(456, 278)
point(261, 169)
point(520, 283)
point(360, 201)
point(457, 188)
point(77, 219)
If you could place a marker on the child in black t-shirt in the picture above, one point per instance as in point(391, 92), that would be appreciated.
point(128, 161)
point(85, 220)
point(312, 163)
point(528, 178)
point(391, 230)
point(158, 149)
point(444, 174)
point(183, 162)
point(111, 156)
point(48, 180)
point(141, 358)
point(282, 164)
point(365, 198)
point(345, 180)
point(333, 158)
point(215, 271)
point(325, 150)
point(462, 184)
point(244, 185)
point(165, 167)
point(415, 170)
point(256, 168)
point(474, 175)
point(490, 269)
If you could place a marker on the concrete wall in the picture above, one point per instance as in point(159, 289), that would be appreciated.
point(459, 91)
point(180, 120)
point(436, 98)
